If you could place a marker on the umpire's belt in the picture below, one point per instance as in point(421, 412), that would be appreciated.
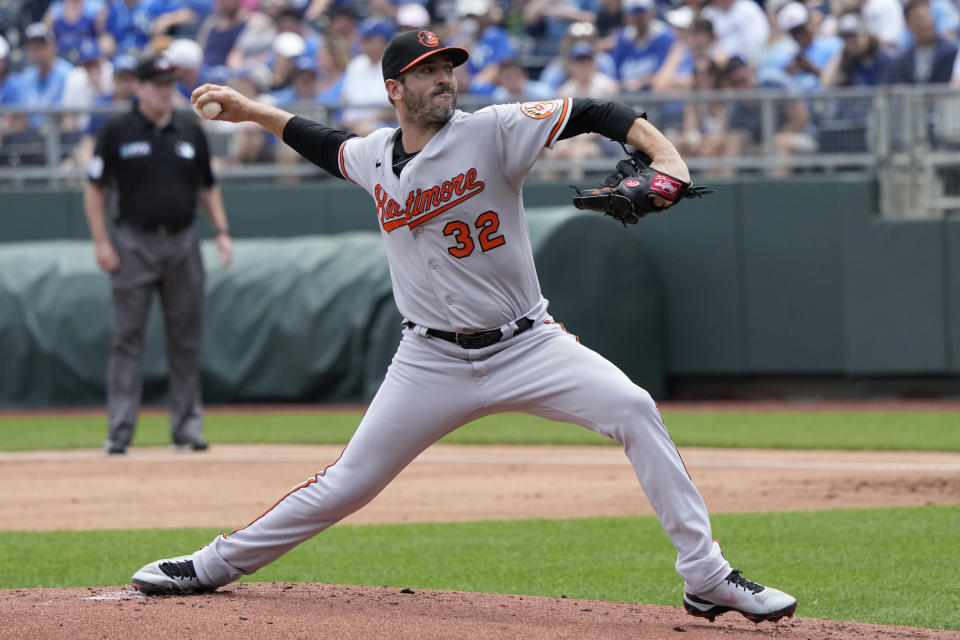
point(477, 340)
point(167, 228)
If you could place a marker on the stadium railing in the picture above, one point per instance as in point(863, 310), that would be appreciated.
point(906, 136)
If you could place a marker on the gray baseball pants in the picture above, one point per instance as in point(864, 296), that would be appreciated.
point(431, 388)
point(170, 265)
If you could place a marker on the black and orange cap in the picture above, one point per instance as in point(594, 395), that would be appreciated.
point(410, 47)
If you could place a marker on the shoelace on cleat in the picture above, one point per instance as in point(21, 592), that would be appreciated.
point(182, 569)
point(739, 581)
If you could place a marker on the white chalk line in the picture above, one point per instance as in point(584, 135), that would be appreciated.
point(128, 594)
point(439, 458)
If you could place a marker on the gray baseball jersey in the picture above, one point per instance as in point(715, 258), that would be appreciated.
point(453, 223)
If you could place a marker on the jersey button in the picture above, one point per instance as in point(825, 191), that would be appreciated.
point(448, 300)
point(433, 265)
point(419, 229)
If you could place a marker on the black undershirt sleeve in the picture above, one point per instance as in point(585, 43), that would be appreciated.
point(610, 119)
point(316, 142)
point(320, 144)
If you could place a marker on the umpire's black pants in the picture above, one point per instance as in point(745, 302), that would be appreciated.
point(171, 265)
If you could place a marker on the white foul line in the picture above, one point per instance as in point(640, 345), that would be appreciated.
point(438, 457)
point(851, 465)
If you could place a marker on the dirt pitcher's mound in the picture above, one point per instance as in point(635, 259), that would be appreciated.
point(289, 611)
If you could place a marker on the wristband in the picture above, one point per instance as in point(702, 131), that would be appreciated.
point(221, 231)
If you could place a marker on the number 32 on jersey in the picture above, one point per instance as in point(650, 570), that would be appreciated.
point(485, 228)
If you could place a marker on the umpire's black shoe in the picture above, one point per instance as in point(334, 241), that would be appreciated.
point(193, 445)
point(114, 449)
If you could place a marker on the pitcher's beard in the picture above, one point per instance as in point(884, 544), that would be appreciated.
point(424, 114)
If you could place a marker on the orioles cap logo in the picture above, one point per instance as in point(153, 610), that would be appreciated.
point(428, 38)
point(538, 110)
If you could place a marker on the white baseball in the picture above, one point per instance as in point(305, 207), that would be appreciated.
point(209, 111)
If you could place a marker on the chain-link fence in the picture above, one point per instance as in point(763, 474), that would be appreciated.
point(909, 137)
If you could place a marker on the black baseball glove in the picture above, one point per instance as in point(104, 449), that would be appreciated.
point(627, 195)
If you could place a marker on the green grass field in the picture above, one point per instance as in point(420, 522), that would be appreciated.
point(929, 431)
point(885, 566)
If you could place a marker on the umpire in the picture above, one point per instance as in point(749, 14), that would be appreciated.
point(153, 164)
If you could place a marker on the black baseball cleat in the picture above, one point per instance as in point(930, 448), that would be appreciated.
point(112, 448)
point(193, 445)
point(168, 577)
point(754, 601)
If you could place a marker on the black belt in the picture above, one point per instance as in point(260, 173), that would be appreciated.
point(477, 340)
point(165, 228)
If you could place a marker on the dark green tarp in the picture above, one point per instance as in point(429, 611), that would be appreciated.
point(307, 319)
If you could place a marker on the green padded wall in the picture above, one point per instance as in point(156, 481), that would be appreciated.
point(792, 253)
point(953, 294)
point(605, 290)
point(696, 249)
point(895, 315)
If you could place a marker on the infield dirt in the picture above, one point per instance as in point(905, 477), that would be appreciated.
point(154, 487)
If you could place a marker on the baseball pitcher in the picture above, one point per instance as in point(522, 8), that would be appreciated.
point(477, 336)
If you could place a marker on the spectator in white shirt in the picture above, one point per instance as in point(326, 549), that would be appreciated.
point(585, 81)
point(740, 26)
point(363, 80)
point(92, 78)
point(884, 19)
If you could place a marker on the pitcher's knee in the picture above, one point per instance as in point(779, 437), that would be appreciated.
point(639, 403)
point(633, 413)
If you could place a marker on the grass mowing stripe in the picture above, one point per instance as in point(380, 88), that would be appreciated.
point(886, 566)
point(931, 431)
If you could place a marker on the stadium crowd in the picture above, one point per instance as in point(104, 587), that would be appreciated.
point(81, 53)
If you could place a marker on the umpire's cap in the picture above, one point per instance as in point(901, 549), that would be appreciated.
point(410, 47)
point(155, 69)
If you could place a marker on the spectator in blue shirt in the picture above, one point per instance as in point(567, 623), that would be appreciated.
point(128, 27)
point(843, 123)
point(514, 85)
point(124, 89)
point(73, 22)
point(6, 78)
point(555, 73)
point(199, 10)
point(946, 16)
point(547, 21)
point(862, 59)
point(642, 45)
point(492, 44)
point(173, 17)
point(41, 84)
point(303, 87)
point(806, 59)
point(220, 32)
point(332, 58)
